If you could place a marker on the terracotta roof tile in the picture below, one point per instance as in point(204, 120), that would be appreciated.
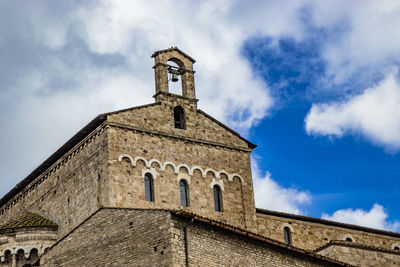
point(28, 219)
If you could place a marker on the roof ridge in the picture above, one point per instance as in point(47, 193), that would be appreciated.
point(356, 245)
point(327, 222)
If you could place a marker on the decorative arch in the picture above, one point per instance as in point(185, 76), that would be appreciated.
point(348, 237)
point(396, 246)
point(184, 176)
point(183, 166)
point(155, 161)
point(223, 172)
point(142, 159)
point(197, 168)
point(211, 170)
point(151, 171)
point(170, 164)
point(230, 177)
point(122, 156)
point(217, 182)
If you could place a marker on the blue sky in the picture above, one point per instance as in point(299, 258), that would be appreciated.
point(314, 83)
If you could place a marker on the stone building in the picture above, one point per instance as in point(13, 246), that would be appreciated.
point(165, 184)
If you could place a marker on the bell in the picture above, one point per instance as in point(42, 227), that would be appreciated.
point(174, 77)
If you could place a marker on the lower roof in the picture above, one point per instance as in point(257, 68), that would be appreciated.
point(28, 220)
point(326, 222)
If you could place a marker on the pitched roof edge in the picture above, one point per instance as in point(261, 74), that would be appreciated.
point(28, 220)
point(91, 126)
point(172, 49)
point(327, 222)
point(356, 245)
point(255, 236)
point(250, 144)
point(53, 158)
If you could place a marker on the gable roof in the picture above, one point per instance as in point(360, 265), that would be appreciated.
point(173, 49)
point(28, 219)
point(250, 144)
point(91, 126)
point(327, 222)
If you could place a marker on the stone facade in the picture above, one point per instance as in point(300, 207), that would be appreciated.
point(93, 189)
point(313, 235)
point(360, 255)
point(128, 237)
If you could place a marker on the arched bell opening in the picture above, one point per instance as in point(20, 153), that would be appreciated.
point(175, 77)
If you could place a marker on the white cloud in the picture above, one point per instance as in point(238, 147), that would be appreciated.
point(224, 81)
point(366, 35)
point(375, 113)
point(270, 195)
point(376, 217)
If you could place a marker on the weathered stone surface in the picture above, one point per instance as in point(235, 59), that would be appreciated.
point(124, 237)
point(90, 191)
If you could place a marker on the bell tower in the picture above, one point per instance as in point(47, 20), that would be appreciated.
point(166, 73)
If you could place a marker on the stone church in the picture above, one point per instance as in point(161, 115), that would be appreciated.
point(166, 184)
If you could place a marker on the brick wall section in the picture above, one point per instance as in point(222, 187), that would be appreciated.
point(210, 246)
point(361, 257)
point(115, 237)
point(70, 192)
point(309, 235)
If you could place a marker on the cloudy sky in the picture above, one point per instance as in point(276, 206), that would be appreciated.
point(315, 84)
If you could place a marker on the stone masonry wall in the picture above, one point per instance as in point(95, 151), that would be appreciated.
point(160, 118)
point(362, 257)
point(126, 184)
point(208, 246)
point(69, 192)
point(115, 237)
point(125, 237)
point(308, 235)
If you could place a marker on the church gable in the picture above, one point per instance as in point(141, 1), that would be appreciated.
point(195, 125)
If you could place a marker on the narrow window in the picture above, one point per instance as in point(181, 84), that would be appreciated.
point(184, 193)
point(179, 117)
point(217, 198)
point(148, 187)
point(287, 235)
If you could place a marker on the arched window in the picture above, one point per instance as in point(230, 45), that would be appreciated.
point(348, 239)
point(396, 248)
point(184, 193)
point(7, 256)
point(179, 117)
point(148, 187)
point(217, 198)
point(287, 235)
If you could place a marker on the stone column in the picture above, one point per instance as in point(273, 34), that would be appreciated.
point(14, 260)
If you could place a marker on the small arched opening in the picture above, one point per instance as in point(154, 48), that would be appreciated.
point(34, 254)
point(149, 187)
point(184, 192)
point(174, 77)
point(7, 256)
point(20, 255)
point(287, 235)
point(217, 198)
point(179, 118)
